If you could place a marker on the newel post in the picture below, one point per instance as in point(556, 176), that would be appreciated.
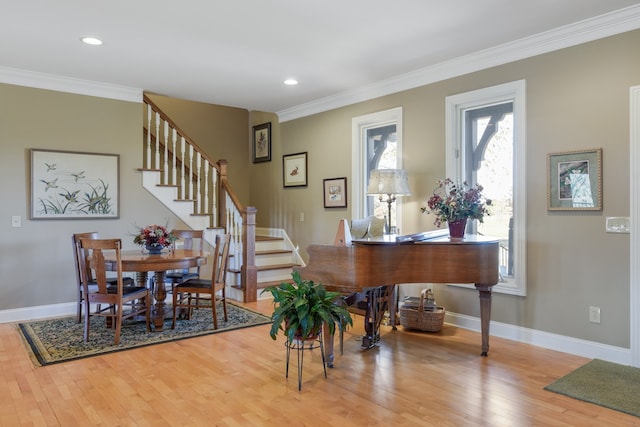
point(249, 271)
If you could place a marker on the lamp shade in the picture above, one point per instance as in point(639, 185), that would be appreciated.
point(389, 181)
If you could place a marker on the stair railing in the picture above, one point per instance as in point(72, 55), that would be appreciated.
point(184, 165)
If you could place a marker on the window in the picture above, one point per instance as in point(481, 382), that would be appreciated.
point(486, 146)
point(376, 144)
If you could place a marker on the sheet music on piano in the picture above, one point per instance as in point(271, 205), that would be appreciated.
point(419, 237)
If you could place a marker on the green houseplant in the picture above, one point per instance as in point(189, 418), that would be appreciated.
point(302, 307)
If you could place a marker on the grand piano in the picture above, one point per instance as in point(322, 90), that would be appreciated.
point(430, 257)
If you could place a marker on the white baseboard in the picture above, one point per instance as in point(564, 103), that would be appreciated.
point(578, 347)
point(37, 312)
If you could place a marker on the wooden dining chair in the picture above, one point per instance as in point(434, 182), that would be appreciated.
point(111, 301)
point(191, 239)
point(81, 266)
point(189, 294)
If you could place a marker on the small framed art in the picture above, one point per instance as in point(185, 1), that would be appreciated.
point(335, 192)
point(294, 170)
point(575, 181)
point(262, 143)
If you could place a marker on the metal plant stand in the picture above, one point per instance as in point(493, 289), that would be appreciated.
point(300, 347)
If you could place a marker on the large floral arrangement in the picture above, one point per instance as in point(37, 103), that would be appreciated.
point(154, 235)
point(453, 201)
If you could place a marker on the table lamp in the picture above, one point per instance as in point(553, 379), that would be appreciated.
point(392, 182)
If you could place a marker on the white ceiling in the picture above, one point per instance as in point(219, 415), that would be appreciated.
point(238, 52)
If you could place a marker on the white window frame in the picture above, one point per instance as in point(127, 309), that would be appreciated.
point(359, 126)
point(455, 154)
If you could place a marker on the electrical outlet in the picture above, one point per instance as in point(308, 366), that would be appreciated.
point(301, 216)
point(594, 314)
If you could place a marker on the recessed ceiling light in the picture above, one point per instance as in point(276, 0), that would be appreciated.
point(92, 41)
point(291, 82)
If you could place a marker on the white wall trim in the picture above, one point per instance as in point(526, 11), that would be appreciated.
point(578, 347)
point(68, 84)
point(634, 213)
point(588, 349)
point(606, 25)
point(38, 312)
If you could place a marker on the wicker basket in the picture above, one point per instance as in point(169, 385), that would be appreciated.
point(428, 319)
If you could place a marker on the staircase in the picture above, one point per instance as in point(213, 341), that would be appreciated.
point(183, 178)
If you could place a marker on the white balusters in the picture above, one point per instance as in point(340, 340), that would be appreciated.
point(165, 168)
point(198, 181)
point(193, 182)
point(174, 179)
point(149, 116)
point(182, 188)
point(235, 228)
point(215, 194)
point(190, 172)
point(205, 196)
point(156, 164)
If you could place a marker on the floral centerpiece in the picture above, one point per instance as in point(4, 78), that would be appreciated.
point(452, 202)
point(154, 238)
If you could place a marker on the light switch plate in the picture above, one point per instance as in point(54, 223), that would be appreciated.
point(16, 221)
point(617, 224)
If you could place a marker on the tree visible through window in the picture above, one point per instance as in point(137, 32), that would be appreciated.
point(486, 146)
point(489, 138)
point(381, 154)
point(376, 144)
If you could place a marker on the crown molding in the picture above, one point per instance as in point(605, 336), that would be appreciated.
point(68, 84)
point(606, 25)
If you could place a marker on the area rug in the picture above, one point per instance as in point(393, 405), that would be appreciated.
point(603, 383)
point(61, 339)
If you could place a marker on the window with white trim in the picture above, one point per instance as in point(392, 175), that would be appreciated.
point(376, 144)
point(486, 146)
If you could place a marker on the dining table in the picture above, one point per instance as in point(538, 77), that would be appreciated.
point(142, 263)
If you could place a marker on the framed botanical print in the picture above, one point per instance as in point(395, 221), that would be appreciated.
point(262, 143)
point(72, 185)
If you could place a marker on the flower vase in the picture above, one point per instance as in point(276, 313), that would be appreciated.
point(456, 228)
point(154, 249)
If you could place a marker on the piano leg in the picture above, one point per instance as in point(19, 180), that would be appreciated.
point(375, 301)
point(485, 316)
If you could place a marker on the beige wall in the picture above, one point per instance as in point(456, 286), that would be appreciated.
point(577, 98)
point(36, 263)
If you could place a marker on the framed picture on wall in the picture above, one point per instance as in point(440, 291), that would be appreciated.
point(262, 143)
point(294, 170)
point(72, 185)
point(335, 192)
point(575, 181)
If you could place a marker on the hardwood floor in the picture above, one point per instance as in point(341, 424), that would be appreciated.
point(237, 379)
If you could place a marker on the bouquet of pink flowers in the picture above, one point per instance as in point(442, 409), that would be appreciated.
point(154, 235)
point(454, 201)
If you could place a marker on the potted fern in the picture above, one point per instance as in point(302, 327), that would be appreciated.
point(302, 307)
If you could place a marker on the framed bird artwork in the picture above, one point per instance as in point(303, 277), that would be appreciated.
point(67, 184)
point(294, 170)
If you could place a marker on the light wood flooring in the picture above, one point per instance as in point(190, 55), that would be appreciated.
point(237, 379)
